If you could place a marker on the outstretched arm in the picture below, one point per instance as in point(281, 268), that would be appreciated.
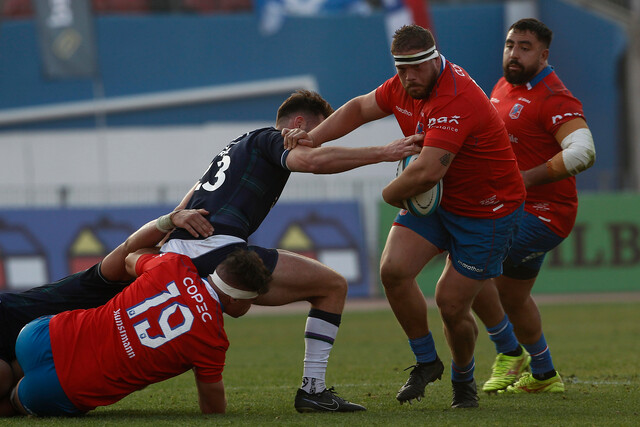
point(149, 235)
point(350, 116)
point(325, 160)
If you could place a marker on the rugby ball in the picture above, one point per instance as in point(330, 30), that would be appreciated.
point(422, 204)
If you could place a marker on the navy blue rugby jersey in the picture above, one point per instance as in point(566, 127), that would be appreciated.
point(242, 184)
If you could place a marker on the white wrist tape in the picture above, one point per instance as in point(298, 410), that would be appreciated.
point(164, 223)
point(578, 151)
point(229, 290)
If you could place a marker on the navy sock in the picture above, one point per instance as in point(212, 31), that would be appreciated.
point(424, 348)
point(541, 362)
point(462, 374)
point(503, 337)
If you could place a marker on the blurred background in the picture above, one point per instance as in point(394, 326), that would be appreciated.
point(110, 110)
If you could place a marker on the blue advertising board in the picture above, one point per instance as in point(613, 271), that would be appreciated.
point(43, 245)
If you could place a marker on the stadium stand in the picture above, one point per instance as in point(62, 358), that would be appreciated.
point(22, 9)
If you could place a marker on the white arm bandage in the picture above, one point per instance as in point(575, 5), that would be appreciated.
point(578, 151)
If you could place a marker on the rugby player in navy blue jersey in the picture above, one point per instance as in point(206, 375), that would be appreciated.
point(241, 185)
point(89, 288)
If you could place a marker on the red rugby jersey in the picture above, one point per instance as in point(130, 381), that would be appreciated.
point(163, 324)
point(532, 114)
point(483, 180)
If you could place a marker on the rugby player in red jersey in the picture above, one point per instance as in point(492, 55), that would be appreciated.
point(552, 143)
point(168, 321)
point(465, 144)
point(85, 289)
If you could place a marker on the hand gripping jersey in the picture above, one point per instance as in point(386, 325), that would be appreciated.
point(242, 184)
point(166, 322)
point(483, 180)
point(532, 114)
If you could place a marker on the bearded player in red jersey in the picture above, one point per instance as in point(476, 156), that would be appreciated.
point(552, 142)
point(465, 144)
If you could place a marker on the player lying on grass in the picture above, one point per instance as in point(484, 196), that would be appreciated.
point(168, 321)
point(89, 288)
point(239, 188)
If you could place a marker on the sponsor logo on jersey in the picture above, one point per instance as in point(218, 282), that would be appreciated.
point(445, 123)
point(490, 201)
point(558, 117)
point(515, 111)
point(524, 100)
point(541, 206)
point(458, 70)
point(403, 111)
point(193, 289)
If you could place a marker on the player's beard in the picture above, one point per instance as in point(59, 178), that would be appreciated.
point(423, 93)
point(519, 76)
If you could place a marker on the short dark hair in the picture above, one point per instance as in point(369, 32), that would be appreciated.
point(304, 101)
point(542, 32)
point(411, 37)
point(245, 267)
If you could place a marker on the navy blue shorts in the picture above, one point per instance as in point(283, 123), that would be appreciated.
point(206, 255)
point(39, 390)
point(477, 246)
point(531, 244)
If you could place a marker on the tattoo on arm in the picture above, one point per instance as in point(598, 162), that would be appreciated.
point(446, 159)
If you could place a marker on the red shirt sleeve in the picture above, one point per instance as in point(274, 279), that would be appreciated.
point(559, 109)
point(383, 93)
point(149, 261)
point(213, 372)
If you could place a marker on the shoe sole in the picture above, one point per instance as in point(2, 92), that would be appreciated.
point(309, 410)
point(549, 389)
point(465, 405)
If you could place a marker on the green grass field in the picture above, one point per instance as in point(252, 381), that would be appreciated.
point(596, 348)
